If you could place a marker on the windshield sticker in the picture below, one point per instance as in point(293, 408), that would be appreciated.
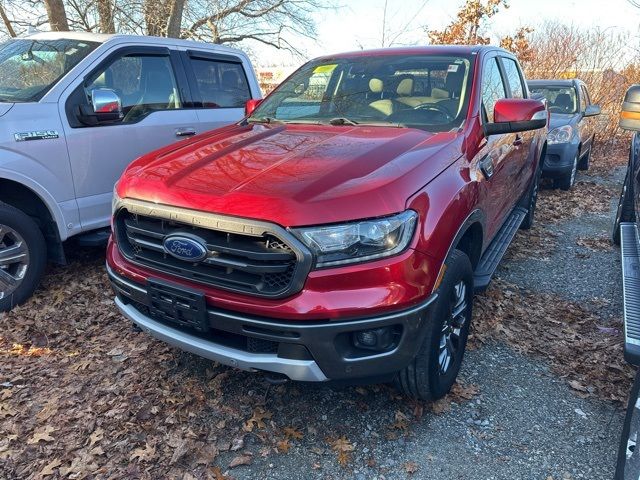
point(71, 51)
point(453, 68)
point(35, 135)
point(325, 68)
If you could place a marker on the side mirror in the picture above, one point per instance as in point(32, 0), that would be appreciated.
point(630, 115)
point(105, 107)
point(251, 105)
point(106, 102)
point(592, 110)
point(512, 115)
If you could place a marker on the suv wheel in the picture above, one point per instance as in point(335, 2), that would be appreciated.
point(566, 182)
point(625, 211)
point(22, 256)
point(433, 371)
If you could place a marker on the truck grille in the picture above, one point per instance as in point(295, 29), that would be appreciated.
point(261, 262)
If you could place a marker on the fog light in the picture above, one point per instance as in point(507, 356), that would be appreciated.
point(375, 339)
point(367, 338)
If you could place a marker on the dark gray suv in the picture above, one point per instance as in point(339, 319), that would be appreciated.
point(571, 128)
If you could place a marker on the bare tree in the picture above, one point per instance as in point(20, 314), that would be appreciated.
point(57, 15)
point(106, 22)
point(175, 19)
point(270, 22)
point(7, 22)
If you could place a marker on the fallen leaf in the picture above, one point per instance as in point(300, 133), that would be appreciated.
point(50, 467)
point(411, 467)
point(240, 460)
point(42, 435)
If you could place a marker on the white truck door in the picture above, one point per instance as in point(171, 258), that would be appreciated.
point(148, 81)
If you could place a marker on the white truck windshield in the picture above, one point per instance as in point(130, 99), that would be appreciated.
point(29, 68)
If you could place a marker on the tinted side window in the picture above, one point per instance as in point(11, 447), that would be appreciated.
point(492, 87)
point(513, 77)
point(144, 84)
point(221, 84)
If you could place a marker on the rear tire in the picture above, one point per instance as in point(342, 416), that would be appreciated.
point(433, 371)
point(566, 182)
point(23, 255)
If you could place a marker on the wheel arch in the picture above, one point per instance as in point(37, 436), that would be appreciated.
point(470, 237)
point(27, 200)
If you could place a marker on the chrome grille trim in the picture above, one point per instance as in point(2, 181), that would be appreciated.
point(241, 267)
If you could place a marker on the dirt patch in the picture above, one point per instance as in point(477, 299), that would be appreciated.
point(580, 346)
point(586, 196)
point(602, 244)
point(538, 242)
point(608, 156)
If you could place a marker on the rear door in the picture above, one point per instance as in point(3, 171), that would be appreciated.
point(157, 111)
point(220, 87)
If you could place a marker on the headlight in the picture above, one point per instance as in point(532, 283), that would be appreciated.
point(359, 241)
point(560, 135)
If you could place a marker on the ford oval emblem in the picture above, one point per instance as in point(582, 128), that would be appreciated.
point(186, 248)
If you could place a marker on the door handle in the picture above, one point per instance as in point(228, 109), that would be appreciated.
point(486, 166)
point(518, 141)
point(185, 132)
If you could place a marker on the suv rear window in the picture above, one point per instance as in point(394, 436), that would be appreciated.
point(29, 68)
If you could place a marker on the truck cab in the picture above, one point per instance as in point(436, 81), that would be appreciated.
point(76, 109)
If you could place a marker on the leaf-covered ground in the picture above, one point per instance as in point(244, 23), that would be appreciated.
point(84, 395)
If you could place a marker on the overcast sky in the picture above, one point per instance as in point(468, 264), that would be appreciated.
point(358, 24)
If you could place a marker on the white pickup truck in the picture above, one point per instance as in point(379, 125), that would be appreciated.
point(75, 110)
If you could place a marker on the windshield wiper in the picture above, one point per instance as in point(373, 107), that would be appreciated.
point(264, 120)
point(342, 121)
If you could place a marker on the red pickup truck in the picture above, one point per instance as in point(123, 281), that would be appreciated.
point(340, 230)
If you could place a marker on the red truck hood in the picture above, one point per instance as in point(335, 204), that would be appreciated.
point(293, 174)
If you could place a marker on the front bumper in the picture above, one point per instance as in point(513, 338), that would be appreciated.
point(558, 161)
point(305, 351)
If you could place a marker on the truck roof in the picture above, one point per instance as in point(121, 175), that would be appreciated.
point(120, 38)
point(419, 50)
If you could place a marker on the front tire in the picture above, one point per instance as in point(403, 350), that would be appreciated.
point(434, 370)
point(566, 182)
point(23, 255)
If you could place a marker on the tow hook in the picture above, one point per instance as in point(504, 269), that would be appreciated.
point(276, 378)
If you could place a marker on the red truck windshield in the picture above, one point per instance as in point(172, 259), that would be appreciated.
point(29, 68)
point(422, 91)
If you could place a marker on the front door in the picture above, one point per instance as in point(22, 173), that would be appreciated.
point(154, 116)
point(500, 159)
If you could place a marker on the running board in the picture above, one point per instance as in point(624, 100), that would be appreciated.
point(630, 256)
point(494, 252)
point(96, 238)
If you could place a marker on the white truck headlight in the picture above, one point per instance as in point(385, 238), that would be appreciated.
point(561, 134)
point(359, 241)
